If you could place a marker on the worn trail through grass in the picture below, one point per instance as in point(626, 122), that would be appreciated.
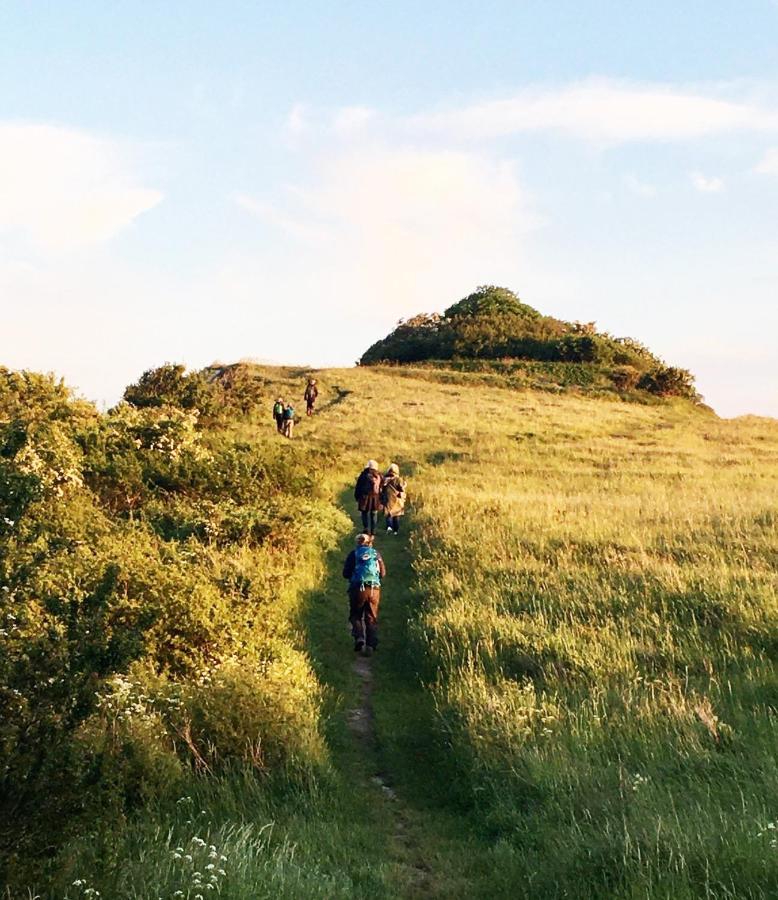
point(380, 728)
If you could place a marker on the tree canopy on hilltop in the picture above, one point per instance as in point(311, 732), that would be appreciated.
point(492, 323)
point(489, 300)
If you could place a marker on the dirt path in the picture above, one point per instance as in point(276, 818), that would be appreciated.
point(375, 709)
point(417, 873)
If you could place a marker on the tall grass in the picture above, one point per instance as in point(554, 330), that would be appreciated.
point(600, 610)
point(596, 621)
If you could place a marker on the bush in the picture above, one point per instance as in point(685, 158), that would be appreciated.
point(215, 393)
point(493, 324)
point(141, 554)
point(669, 381)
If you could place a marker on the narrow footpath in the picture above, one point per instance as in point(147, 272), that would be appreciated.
point(379, 725)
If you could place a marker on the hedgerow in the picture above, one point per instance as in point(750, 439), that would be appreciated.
point(143, 619)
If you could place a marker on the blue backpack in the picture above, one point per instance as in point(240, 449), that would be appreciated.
point(366, 569)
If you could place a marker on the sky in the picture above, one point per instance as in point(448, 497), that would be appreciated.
point(197, 182)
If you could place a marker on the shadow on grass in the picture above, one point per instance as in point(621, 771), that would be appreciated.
point(407, 751)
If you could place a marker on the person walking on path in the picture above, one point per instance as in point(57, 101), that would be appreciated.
point(393, 497)
point(288, 420)
point(364, 568)
point(310, 395)
point(278, 414)
point(367, 493)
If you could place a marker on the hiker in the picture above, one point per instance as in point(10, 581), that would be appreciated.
point(364, 568)
point(393, 497)
point(278, 414)
point(288, 420)
point(367, 493)
point(310, 395)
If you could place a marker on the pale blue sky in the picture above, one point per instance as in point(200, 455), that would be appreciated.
point(198, 181)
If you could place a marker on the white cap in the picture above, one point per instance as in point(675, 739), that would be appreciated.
point(372, 464)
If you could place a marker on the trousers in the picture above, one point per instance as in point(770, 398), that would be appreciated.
point(369, 520)
point(363, 614)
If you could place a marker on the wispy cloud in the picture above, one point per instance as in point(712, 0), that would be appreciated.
point(296, 120)
point(351, 119)
point(62, 188)
point(706, 184)
point(402, 226)
point(768, 165)
point(602, 111)
point(639, 187)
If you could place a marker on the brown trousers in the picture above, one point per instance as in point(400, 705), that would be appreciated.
point(363, 614)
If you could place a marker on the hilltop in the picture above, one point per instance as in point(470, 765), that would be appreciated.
point(576, 681)
point(492, 330)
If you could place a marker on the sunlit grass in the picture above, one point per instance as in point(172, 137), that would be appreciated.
point(597, 624)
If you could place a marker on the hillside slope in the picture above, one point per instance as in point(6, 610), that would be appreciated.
point(596, 626)
point(576, 684)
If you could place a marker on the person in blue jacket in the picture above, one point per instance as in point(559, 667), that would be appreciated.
point(364, 568)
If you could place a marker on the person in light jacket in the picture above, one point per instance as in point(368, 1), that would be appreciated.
point(393, 497)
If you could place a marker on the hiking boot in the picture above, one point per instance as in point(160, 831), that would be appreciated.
point(359, 646)
point(389, 531)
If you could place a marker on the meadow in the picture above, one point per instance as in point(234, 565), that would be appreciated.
point(578, 693)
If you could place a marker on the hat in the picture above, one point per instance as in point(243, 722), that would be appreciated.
point(372, 464)
point(394, 469)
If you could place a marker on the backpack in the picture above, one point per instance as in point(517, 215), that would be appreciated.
point(278, 410)
point(366, 569)
point(289, 413)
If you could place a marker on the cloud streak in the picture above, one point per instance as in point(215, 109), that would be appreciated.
point(600, 111)
point(706, 184)
point(62, 188)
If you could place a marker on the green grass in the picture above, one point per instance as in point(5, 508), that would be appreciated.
point(575, 693)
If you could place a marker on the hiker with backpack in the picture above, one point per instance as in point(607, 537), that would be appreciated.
point(310, 395)
point(367, 493)
point(364, 568)
point(393, 497)
point(278, 414)
point(288, 420)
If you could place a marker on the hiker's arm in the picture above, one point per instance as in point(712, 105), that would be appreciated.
point(348, 567)
point(381, 566)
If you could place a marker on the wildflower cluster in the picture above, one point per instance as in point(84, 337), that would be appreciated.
point(199, 869)
point(637, 781)
point(85, 890)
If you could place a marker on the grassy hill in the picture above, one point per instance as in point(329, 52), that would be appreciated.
point(491, 330)
point(576, 690)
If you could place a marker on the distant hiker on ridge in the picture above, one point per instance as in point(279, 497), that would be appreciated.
point(288, 420)
point(367, 493)
point(364, 568)
point(393, 497)
point(278, 414)
point(310, 395)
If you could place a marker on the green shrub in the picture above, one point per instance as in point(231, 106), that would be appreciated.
point(493, 324)
point(143, 625)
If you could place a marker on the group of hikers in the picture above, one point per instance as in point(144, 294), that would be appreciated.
point(283, 412)
point(364, 568)
point(374, 492)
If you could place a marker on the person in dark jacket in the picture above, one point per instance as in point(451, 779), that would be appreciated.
point(310, 395)
point(364, 568)
point(367, 493)
point(278, 414)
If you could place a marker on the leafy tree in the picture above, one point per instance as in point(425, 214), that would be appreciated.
point(493, 324)
point(489, 300)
